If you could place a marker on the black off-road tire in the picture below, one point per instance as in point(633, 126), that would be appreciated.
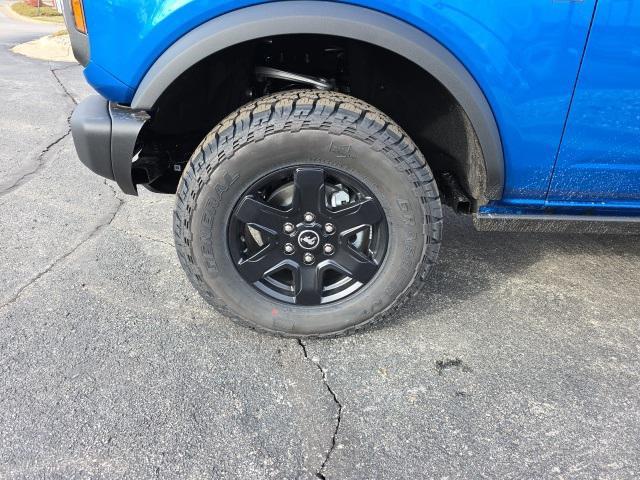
point(318, 128)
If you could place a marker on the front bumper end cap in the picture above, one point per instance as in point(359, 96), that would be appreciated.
point(105, 135)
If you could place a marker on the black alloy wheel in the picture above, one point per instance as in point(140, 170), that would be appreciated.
point(307, 235)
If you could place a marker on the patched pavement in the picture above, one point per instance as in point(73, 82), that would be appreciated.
point(522, 359)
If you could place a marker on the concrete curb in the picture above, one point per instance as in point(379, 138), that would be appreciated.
point(55, 49)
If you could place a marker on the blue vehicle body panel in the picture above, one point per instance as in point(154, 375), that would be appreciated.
point(524, 55)
point(599, 159)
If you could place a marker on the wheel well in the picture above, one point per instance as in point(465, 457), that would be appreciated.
point(217, 85)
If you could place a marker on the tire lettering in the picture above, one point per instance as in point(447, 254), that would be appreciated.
point(207, 218)
point(341, 151)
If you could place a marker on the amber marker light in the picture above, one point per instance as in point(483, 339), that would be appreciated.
point(78, 15)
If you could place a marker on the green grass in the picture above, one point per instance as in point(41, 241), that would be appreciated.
point(47, 14)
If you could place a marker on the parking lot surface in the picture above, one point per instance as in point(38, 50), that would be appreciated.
point(520, 360)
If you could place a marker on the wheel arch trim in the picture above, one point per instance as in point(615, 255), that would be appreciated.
point(343, 20)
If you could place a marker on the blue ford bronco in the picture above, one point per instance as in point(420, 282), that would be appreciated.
point(312, 144)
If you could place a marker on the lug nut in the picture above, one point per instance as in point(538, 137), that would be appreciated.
point(329, 228)
point(308, 258)
point(289, 249)
point(309, 217)
point(288, 228)
point(329, 249)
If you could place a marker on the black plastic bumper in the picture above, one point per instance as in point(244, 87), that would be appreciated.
point(105, 137)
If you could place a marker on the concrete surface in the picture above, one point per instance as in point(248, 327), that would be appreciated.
point(56, 48)
point(521, 361)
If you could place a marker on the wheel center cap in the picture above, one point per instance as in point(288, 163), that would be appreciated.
point(308, 239)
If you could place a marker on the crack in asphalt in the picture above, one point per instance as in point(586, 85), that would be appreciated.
point(64, 88)
point(320, 472)
point(91, 234)
point(39, 161)
point(39, 164)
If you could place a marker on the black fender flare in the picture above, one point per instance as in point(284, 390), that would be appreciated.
point(342, 20)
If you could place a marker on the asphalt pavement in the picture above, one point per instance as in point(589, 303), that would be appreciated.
point(521, 359)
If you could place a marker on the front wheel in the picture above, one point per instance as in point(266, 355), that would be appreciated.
point(307, 213)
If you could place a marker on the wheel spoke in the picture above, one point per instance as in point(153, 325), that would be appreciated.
point(309, 189)
point(308, 285)
point(355, 264)
point(366, 212)
point(261, 263)
point(258, 213)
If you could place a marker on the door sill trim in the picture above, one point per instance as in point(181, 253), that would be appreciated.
point(595, 224)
